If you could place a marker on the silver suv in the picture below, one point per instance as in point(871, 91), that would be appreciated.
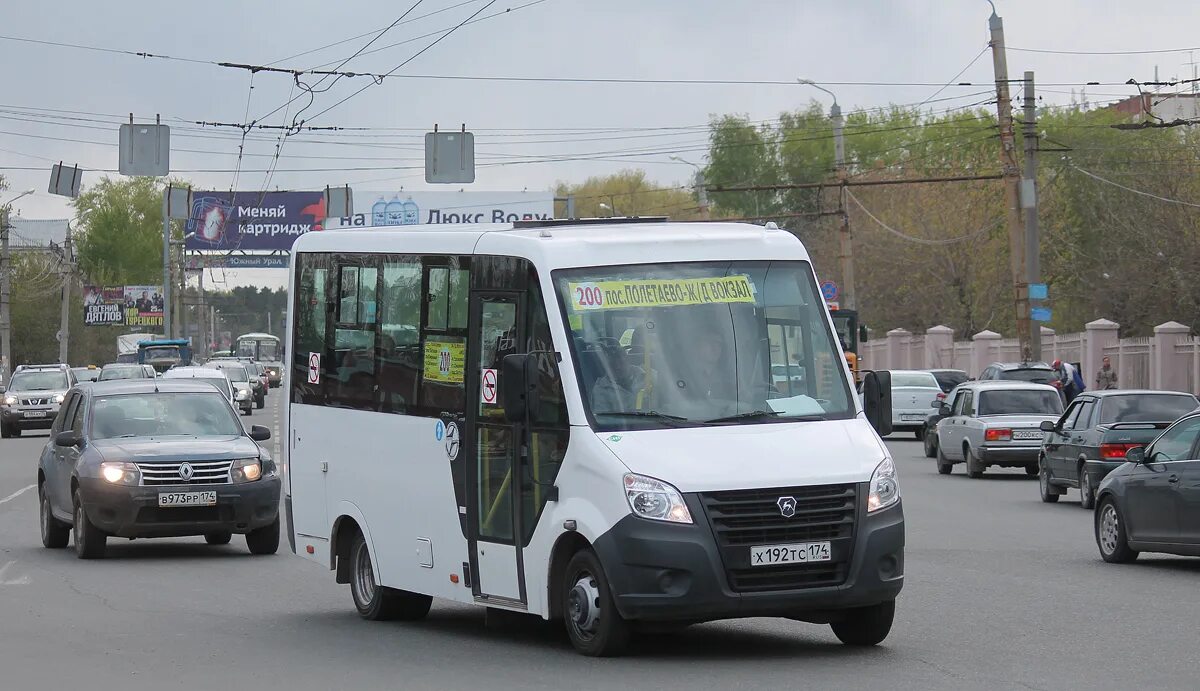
point(32, 398)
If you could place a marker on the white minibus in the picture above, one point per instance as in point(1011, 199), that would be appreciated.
point(579, 420)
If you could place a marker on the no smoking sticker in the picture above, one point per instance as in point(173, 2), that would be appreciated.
point(314, 368)
point(487, 387)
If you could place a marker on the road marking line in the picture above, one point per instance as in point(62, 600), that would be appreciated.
point(16, 494)
point(20, 580)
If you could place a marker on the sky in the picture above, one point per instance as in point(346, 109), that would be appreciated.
point(906, 48)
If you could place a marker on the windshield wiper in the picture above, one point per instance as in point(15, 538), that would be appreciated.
point(765, 415)
point(646, 413)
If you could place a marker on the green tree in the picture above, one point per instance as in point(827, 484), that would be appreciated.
point(119, 227)
point(628, 193)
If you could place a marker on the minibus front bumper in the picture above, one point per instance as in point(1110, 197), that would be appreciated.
point(668, 572)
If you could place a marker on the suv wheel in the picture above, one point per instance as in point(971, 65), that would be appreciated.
point(55, 534)
point(89, 540)
point(264, 540)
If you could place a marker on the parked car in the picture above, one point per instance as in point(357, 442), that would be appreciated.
point(126, 371)
point(1151, 503)
point(1034, 372)
point(243, 392)
point(139, 459)
point(33, 397)
point(1093, 436)
point(210, 375)
point(947, 379)
point(995, 423)
point(85, 374)
point(913, 392)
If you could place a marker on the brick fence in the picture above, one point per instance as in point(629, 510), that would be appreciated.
point(1169, 360)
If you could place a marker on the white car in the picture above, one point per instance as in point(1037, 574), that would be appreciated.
point(213, 376)
point(913, 395)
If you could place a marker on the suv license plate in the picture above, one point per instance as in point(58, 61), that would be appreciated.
point(36, 413)
point(770, 555)
point(167, 499)
point(1027, 434)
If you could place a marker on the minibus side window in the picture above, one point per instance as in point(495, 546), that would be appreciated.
point(400, 334)
point(444, 336)
point(548, 426)
point(310, 309)
point(351, 384)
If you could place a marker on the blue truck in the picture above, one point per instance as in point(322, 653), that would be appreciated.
point(163, 354)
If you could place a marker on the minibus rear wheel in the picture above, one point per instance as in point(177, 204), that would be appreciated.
point(866, 626)
point(376, 602)
point(593, 623)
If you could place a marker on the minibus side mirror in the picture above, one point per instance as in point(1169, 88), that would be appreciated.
point(877, 400)
point(515, 388)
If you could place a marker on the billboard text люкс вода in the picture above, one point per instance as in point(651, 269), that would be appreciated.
point(404, 208)
point(123, 305)
point(252, 220)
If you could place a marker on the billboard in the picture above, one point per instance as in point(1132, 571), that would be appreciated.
point(123, 305)
point(252, 221)
point(403, 208)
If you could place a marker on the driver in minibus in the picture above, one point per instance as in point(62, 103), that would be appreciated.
point(616, 390)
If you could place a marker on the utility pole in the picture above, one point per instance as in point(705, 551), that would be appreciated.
point(202, 319)
point(845, 239)
point(5, 296)
point(1012, 180)
point(1029, 201)
point(166, 258)
point(67, 272)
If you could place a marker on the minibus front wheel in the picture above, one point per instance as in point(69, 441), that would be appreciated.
point(593, 623)
point(865, 626)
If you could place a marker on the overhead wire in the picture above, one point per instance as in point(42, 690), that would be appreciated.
point(1132, 190)
point(920, 240)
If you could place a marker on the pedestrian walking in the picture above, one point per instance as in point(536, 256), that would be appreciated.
point(1106, 378)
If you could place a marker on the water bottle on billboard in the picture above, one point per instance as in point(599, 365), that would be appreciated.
point(395, 212)
point(379, 213)
point(412, 215)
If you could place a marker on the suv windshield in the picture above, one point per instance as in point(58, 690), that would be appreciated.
point(1033, 375)
point(234, 372)
point(1019, 402)
point(1145, 408)
point(163, 414)
point(39, 381)
point(665, 345)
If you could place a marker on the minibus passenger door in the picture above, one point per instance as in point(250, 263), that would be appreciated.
point(492, 446)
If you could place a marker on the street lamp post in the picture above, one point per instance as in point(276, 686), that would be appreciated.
point(701, 191)
point(845, 240)
point(5, 289)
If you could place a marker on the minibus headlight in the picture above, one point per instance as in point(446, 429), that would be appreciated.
point(655, 499)
point(120, 472)
point(885, 486)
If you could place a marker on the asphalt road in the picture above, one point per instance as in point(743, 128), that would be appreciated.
point(1002, 592)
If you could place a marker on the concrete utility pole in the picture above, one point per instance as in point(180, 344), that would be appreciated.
point(1029, 201)
point(1012, 180)
point(845, 239)
point(166, 212)
point(67, 271)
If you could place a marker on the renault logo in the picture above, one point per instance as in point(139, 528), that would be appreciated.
point(186, 472)
point(787, 506)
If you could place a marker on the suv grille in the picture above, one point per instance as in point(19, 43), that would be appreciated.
point(33, 401)
point(203, 473)
point(742, 519)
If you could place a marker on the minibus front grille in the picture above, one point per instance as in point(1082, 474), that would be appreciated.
point(742, 519)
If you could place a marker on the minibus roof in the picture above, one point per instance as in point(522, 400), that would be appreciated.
point(563, 246)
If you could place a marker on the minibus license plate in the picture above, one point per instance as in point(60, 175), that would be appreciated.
point(770, 555)
point(187, 498)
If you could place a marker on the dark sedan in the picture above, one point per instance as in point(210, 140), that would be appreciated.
point(155, 458)
point(1090, 440)
point(1152, 502)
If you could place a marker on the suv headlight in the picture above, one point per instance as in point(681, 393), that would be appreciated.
point(241, 394)
point(655, 499)
point(245, 470)
point(10, 400)
point(59, 398)
point(120, 472)
point(885, 486)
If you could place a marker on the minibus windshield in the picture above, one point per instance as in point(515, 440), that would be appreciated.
point(702, 343)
